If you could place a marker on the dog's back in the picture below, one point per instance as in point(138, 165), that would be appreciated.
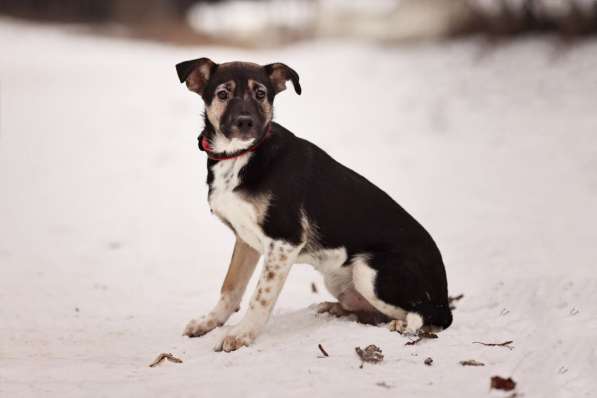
point(345, 210)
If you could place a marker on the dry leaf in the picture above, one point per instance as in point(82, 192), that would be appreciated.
point(499, 383)
point(371, 353)
point(471, 362)
point(162, 356)
point(428, 361)
point(421, 335)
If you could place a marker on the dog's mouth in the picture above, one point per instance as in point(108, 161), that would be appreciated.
point(233, 140)
point(234, 133)
point(255, 132)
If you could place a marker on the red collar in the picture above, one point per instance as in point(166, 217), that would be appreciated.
point(204, 146)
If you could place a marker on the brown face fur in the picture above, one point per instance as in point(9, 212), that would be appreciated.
point(238, 96)
point(237, 102)
point(217, 108)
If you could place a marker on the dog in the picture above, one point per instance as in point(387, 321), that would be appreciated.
point(288, 200)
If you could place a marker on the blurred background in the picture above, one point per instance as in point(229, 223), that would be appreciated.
point(478, 117)
point(276, 22)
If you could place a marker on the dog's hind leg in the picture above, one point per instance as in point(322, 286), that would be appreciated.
point(352, 303)
point(338, 281)
point(402, 291)
point(243, 263)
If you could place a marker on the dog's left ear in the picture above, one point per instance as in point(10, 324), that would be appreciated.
point(196, 73)
point(279, 73)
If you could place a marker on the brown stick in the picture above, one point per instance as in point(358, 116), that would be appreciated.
point(471, 362)
point(451, 299)
point(504, 344)
point(322, 350)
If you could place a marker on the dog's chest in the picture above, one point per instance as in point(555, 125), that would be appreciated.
point(230, 205)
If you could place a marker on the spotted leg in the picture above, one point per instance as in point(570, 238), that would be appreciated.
point(279, 258)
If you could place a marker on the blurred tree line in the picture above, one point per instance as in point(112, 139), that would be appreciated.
point(571, 18)
point(168, 20)
point(98, 11)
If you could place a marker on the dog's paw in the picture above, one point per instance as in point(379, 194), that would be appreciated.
point(409, 326)
point(235, 338)
point(201, 326)
point(332, 308)
point(397, 325)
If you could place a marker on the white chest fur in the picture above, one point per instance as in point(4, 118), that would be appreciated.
point(231, 206)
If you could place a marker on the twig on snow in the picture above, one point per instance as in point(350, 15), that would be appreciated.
point(384, 385)
point(471, 362)
point(504, 344)
point(453, 299)
point(325, 354)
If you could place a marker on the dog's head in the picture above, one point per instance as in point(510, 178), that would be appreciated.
point(238, 97)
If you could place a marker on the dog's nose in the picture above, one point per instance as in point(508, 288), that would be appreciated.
point(244, 123)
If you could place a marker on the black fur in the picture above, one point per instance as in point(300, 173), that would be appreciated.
point(343, 208)
point(184, 69)
point(287, 72)
point(350, 212)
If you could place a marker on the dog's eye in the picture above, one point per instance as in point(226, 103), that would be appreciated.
point(260, 94)
point(223, 95)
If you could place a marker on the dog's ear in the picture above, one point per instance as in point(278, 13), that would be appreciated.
point(196, 73)
point(279, 73)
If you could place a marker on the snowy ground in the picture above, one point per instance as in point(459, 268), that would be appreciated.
point(107, 246)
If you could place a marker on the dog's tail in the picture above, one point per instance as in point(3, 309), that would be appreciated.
point(438, 315)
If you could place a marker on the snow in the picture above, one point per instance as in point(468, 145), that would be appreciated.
point(107, 246)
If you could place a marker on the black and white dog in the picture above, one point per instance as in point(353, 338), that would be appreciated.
point(285, 198)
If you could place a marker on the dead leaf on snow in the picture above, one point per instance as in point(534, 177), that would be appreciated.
point(162, 356)
point(471, 362)
point(421, 335)
point(499, 383)
point(371, 354)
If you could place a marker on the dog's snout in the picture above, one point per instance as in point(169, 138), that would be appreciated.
point(244, 123)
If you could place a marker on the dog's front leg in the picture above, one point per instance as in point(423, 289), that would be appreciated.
point(243, 262)
point(279, 258)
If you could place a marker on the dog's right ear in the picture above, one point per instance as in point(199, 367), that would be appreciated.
point(279, 73)
point(196, 73)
